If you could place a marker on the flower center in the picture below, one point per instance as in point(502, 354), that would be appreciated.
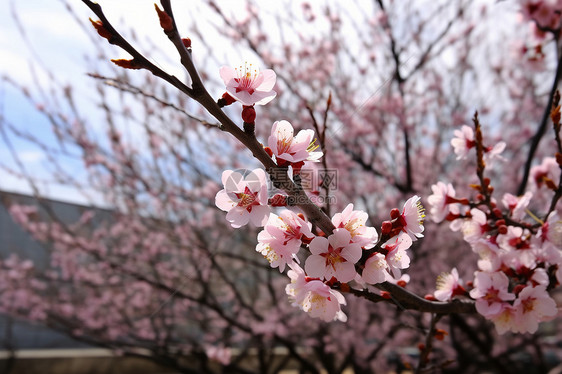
point(247, 199)
point(353, 225)
point(333, 257)
point(246, 78)
point(270, 255)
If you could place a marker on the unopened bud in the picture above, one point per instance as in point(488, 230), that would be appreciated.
point(402, 283)
point(248, 114)
point(497, 213)
point(100, 28)
point(268, 151)
point(385, 295)
point(440, 334)
point(165, 20)
point(225, 100)
point(386, 227)
point(430, 297)
point(502, 229)
point(394, 213)
point(126, 64)
point(186, 42)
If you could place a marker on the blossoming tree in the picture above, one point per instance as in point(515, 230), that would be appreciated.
point(354, 278)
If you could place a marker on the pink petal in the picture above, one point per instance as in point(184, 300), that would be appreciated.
point(223, 201)
point(345, 271)
point(315, 266)
point(227, 74)
point(269, 78)
point(238, 217)
point(318, 245)
point(352, 253)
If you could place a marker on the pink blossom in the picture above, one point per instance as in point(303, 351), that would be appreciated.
point(546, 13)
point(491, 153)
point(291, 148)
point(489, 255)
point(375, 270)
point(333, 257)
point(448, 285)
point(313, 296)
point(474, 227)
point(296, 290)
point(412, 217)
point(354, 222)
point(248, 85)
point(244, 197)
point(440, 200)
point(517, 205)
point(533, 305)
point(490, 291)
point(548, 172)
point(505, 320)
point(397, 258)
point(551, 230)
point(323, 302)
point(220, 354)
point(281, 237)
point(463, 141)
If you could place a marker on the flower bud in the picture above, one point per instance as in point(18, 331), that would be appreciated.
point(186, 42)
point(386, 227)
point(225, 100)
point(126, 64)
point(100, 28)
point(248, 114)
point(165, 20)
point(394, 213)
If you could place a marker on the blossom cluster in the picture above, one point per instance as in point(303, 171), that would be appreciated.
point(520, 256)
point(353, 253)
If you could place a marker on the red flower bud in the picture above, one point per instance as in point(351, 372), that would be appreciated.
point(402, 283)
point(268, 151)
point(502, 229)
point(394, 213)
point(165, 20)
point(100, 28)
point(497, 213)
point(430, 297)
point(186, 42)
point(248, 114)
point(126, 64)
point(440, 334)
point(225, 100)
point(385, 295)
point(386, 227)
